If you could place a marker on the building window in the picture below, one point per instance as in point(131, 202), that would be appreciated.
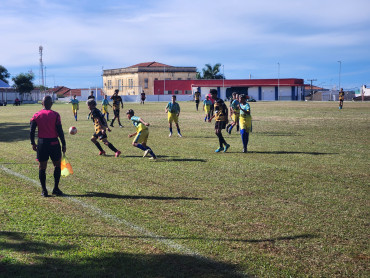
point(130, 83)
point(168, 79)
point(110, 84)
point(179, 79)
point(120, 85)
point(188, 92)
point(168, 92)
point(177, 92)
point(146, 83)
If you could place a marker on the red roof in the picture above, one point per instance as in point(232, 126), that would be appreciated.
point(150, 64)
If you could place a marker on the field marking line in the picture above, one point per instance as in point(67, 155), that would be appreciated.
point(151, 236)
point(141, 230)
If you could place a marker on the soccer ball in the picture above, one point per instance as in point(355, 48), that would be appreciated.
point(72, 130)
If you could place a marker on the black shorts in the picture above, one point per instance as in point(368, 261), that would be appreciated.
point(100, 136)
point(116, 112)
point(220, 124)
point(197, 101)
point(48, 147)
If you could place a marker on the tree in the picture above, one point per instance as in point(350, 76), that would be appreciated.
point(4, 74)
point(23, 83)
point(210, 72)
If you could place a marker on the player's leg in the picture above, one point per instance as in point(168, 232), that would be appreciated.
point(56, 157)
point(170, 120)
point(109, 145)
point(97, 144)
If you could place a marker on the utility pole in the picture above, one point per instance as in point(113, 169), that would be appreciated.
point(340, 70)
point(311, 80)
point(41, 66)
point(278, 80)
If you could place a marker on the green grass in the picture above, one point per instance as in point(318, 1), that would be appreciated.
point(296, 205)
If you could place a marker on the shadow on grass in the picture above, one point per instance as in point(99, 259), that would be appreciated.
point(11, 132)
point(287, 152)
point(271, 133)
point(282, 238)
point(112, 264)
point(179, 159)
point(116, 196)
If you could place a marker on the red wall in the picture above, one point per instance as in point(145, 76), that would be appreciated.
point(172, 85)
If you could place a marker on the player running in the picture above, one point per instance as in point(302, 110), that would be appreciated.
point(207, 103)
point(197, 98)
point(173, 110)
point(117, 100)
point(341, 98)
point(49, 129)
point(221, 121)
point(91, 96)
point(101, 128)
point(234, 113)
point(75, 106)
point(141, 134)
point(105, 104)
point(245, 121)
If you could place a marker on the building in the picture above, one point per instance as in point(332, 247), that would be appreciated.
point(140, 78)
point(65, 94)
point(258, 89)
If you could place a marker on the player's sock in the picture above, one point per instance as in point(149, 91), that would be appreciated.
point(221, 139)
point(237, 127)
point(141, 147)
point(97, 144)
point(171, 130)
point(111, 124)
point(230, 129)
point(57, 172)
point(152, 153)
point(112, 147)
point(42, 178)
point(205, 118)
point(178, 131)
point(107, 116)
point(245, 138)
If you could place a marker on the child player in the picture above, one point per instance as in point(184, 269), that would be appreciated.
point(245, 121)
point(105, 104)
point(117, 100)
point(141, 134)
point(234, 114)
point(75, 106)
point(207, 108)
point(100, 129)
point(221, 121)
point(173, 110)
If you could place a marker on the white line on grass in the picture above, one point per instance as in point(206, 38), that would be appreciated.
point(167, 242)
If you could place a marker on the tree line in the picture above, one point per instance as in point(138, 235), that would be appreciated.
point(23, 82)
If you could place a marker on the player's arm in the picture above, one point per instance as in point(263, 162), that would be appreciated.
point(178, 113)
point(121, 102)
point(246, 111)
point(210, 119)
point(33, 126)
point(144, 123)
point(61, 136)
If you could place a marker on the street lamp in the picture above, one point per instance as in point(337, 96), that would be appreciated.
point(278, 80)
point(340, 69)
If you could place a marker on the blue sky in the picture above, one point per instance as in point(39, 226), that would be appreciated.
point(306, 38)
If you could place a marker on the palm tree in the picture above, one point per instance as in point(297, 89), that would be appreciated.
point(210, 72)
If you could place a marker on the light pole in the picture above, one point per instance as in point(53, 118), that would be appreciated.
point(278, 80)
point(340, 69)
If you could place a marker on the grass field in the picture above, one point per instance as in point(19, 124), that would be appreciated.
point(296, 205)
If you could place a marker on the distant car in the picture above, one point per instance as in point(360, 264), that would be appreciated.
point(251, 100)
